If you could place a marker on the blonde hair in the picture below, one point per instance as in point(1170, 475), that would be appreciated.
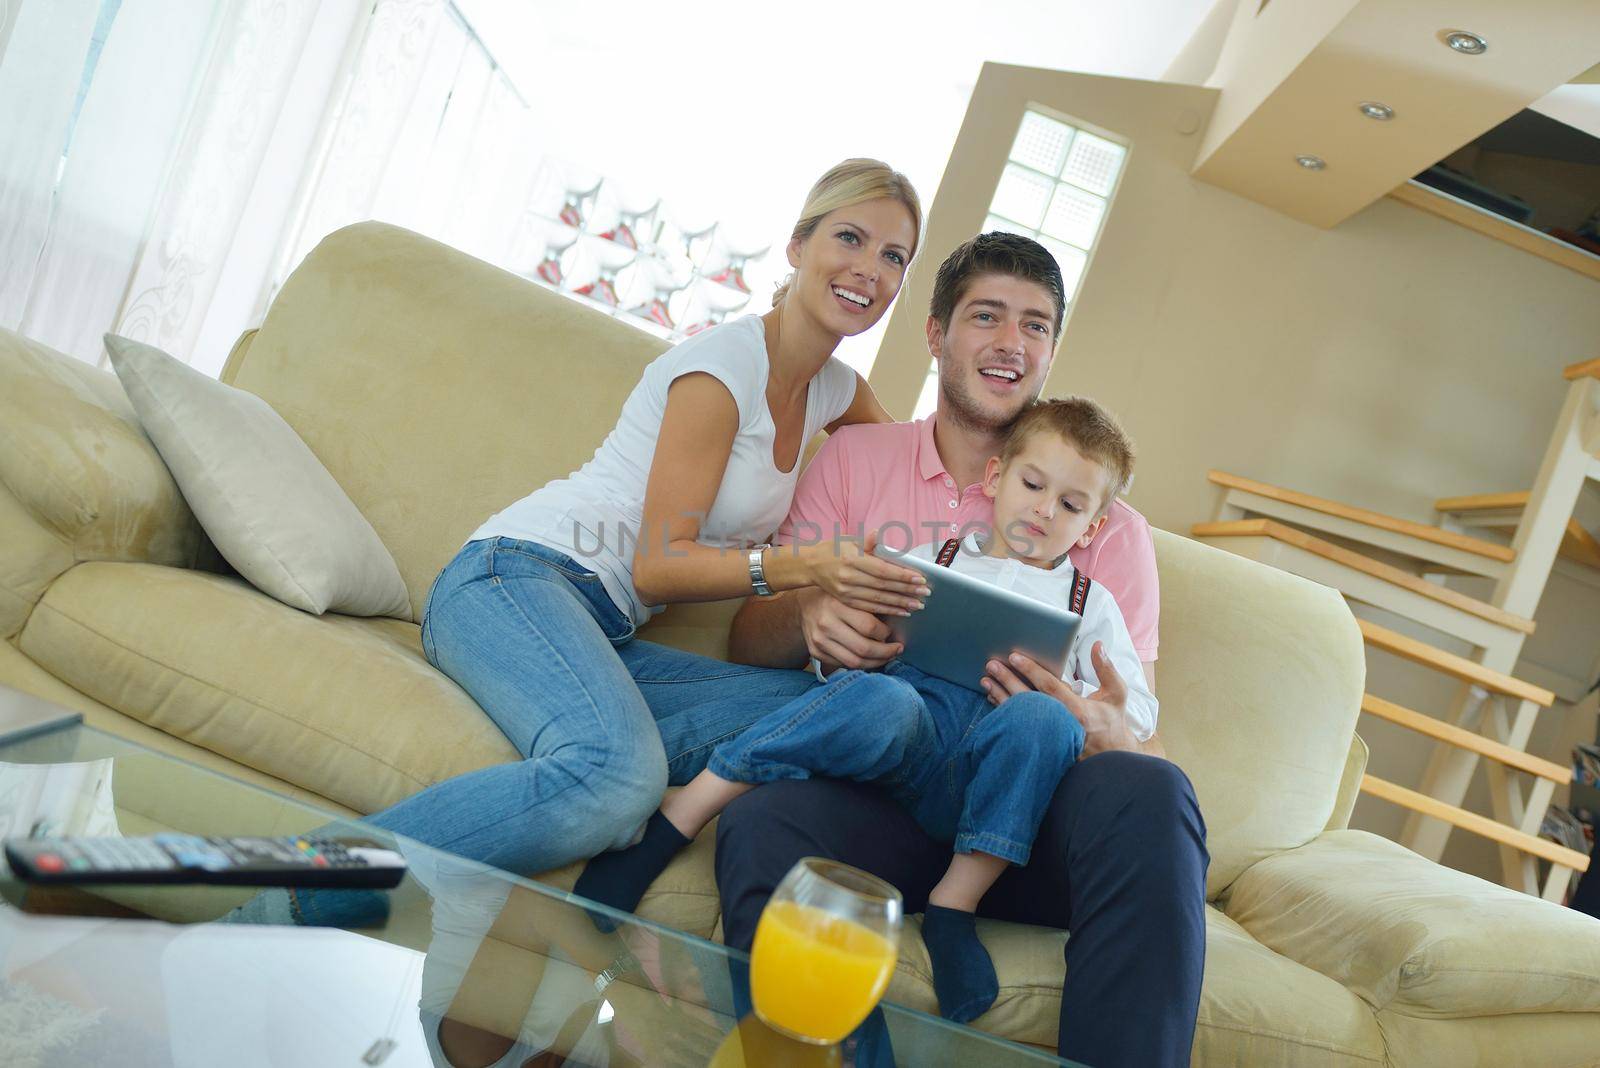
point(848, 183)
point(1087, 427)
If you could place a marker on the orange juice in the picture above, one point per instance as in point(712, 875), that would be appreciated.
point(814, 974)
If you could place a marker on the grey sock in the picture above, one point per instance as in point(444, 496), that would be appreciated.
point(271, 906)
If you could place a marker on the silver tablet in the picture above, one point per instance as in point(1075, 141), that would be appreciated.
point(965, 622)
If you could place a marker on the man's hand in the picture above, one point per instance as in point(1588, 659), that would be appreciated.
point(835, 633)
point(1105, 724)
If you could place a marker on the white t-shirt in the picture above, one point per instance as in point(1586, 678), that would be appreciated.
point(594, 514)
point(1102, 622)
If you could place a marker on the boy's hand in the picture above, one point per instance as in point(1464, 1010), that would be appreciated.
point(1102, 713)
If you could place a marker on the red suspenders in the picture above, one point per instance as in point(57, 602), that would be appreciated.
point(1080, 581)
point(1080, 593)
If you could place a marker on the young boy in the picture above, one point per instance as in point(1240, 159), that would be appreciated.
point(972, 772)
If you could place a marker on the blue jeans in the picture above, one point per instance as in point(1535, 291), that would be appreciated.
point(604, 720)
point(971, 773)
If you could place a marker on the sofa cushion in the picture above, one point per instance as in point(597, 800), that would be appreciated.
point(1407, 934)
point(1256, 1007)
point(1260, 682)
point(19, 672)
point(266, 501)
point(435, 388)
point(345, 707)
point(1542, 1039)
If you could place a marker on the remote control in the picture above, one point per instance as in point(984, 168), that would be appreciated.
point(188, 858)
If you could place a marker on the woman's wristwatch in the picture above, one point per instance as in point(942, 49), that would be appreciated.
point(758, 573)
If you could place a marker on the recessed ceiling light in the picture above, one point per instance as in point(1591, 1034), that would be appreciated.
point(1374, 110)
point(1311, 163)
point(1468, 44)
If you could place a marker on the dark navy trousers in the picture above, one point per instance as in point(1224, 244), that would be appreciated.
point(1119, 862)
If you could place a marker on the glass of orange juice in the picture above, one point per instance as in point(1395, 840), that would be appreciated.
point(824, 950)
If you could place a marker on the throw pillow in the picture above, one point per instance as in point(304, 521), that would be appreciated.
point(266, 501)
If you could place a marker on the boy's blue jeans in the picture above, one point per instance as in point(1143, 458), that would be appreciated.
point(971, 773)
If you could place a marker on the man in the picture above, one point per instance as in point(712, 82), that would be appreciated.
point(1120, 859)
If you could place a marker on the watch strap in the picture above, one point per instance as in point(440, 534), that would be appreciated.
point(758, 572)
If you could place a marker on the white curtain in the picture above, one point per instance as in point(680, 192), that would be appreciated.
point(42, 52)
point(429, 135)
point(199, 213)
point(150, 153)
point(367, 123)
point(116, 163)
point(162, 186)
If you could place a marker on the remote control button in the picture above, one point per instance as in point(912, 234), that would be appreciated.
point(48, 862)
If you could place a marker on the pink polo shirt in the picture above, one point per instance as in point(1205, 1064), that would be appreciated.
point(888, 477)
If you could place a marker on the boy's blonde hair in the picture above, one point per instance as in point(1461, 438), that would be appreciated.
point(1087, 427)
point(853, 182)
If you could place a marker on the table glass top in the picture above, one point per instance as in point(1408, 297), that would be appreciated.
point(461, 964)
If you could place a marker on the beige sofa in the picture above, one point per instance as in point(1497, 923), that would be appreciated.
point(436, 389)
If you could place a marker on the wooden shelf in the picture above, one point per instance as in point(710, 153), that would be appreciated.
point(1586, 369)
point(1476, 546)
point(1465, 739)
point(1516, 235)
point(1471, 821)
point(1482, 502)
point(1577, 544)
point(1271, 528)
point(1450, 664)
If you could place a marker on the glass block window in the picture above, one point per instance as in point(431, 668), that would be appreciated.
point(1056, 188)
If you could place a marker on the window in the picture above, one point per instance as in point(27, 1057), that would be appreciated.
point(1056, 188)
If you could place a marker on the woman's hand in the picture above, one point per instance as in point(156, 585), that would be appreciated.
point(848, 571)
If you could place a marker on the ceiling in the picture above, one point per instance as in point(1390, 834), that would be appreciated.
point(1292, 74)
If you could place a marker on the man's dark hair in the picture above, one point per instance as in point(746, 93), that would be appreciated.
point(996, 252)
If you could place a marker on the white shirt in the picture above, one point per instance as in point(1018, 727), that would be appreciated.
point(594, 514)
point(1102, 622)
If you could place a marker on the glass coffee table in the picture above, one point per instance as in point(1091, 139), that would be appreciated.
point(469, 965)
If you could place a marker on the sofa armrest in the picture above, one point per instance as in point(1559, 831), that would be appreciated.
point(83, 480)
point(1355, 765)
point(1406, 934)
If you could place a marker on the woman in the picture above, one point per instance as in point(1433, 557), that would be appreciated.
point(535, 617)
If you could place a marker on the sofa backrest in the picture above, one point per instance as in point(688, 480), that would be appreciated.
point(436, 388)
